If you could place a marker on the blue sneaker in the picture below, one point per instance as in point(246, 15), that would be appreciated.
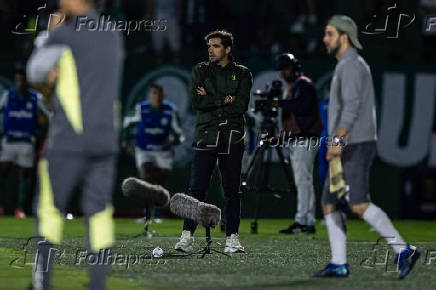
point(406, 260)
point(333, 270)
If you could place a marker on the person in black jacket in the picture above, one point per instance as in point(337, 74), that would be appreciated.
point(302, 126)
point(220, 96)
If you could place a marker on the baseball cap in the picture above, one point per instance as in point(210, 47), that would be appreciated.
point(348, 26)
point(286, 60)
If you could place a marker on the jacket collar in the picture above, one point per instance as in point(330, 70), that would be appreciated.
point(230, 65)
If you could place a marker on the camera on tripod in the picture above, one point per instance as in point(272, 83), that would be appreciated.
point(265, 103)
point(256, 178)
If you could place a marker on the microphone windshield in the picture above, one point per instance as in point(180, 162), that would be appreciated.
point(144, 192)
point(202, 213)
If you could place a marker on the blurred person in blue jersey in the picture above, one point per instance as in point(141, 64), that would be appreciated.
point(157, 130)
point(20, 107)
point(85, 67)
point(323, 164)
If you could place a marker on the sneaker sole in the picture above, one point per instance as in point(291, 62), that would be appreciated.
point(233, 251)
point(186, 250)
point(297, 233)
point(331, 276)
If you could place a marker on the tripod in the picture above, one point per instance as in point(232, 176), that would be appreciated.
point(147, 221)
point(258, 164)
point(207, 250)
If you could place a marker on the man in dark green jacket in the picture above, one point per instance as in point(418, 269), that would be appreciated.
point(220, 96)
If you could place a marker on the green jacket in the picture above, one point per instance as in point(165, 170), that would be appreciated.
point(217, 123)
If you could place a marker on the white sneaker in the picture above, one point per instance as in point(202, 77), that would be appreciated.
point(233, 245)
point(185, 243)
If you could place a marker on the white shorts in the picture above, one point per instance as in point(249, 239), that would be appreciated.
point(161, 159)
point(21, 154)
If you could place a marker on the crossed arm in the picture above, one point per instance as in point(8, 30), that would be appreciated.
point(236, 104)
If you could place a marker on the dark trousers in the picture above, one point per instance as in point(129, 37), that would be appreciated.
point(229, 164)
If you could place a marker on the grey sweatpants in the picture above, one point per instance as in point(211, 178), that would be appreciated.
point(59, 174)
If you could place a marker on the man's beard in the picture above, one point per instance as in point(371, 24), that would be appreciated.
point(335, 50)
point(215, 60)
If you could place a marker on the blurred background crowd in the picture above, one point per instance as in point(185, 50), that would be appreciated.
point(262, 29)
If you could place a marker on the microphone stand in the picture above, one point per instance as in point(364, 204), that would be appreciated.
point(147, 222)
point(207, 249)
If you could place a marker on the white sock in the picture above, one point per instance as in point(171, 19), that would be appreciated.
point(380, 221)
point(337, 236)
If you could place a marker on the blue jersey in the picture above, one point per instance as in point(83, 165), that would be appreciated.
point(323, 164)
point(20, 116)
point(323, 110)
point(154, 126)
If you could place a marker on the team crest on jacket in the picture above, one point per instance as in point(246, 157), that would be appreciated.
point(29, 105)
point(233, 77)
point(164, 121)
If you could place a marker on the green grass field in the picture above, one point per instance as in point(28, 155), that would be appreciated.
point(272, 261)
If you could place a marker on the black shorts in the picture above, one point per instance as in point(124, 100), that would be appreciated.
point(356, 163)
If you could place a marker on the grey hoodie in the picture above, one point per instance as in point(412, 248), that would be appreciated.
point(86, 103)
point(352, 99)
